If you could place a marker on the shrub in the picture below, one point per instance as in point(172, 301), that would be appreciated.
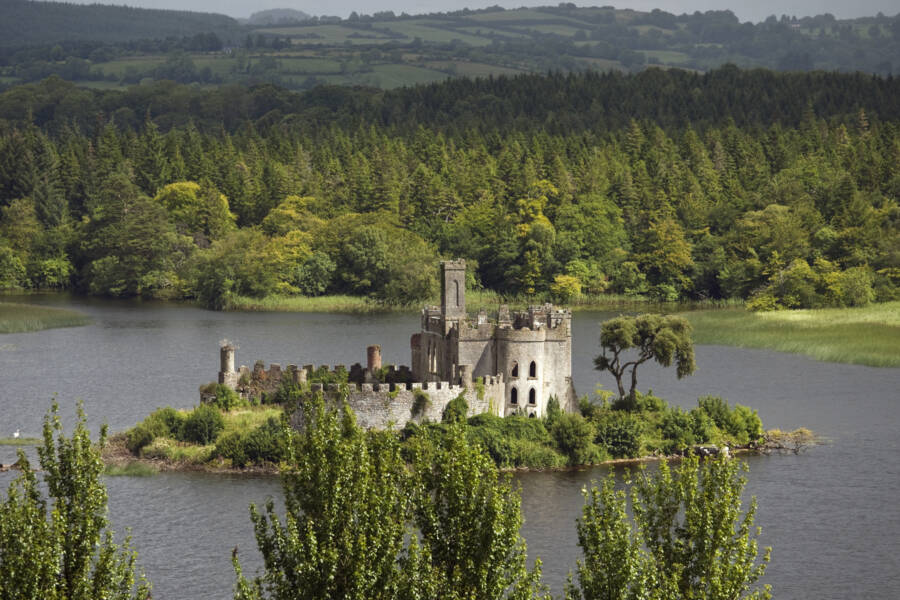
point(163, 422)
point(619, 433)
point(202, 425)
point(266, 443)
point(231, 446)
point(741, 424)
point(456, 410)
point(677, 431)
point(421, 401)
point(227, 398)
point(574, 437)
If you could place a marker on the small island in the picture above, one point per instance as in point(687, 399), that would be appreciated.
point(506, 376)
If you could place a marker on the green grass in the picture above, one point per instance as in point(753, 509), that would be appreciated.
point(340, 304)
point(133, 469)
point(666, 56)
point(472, 69)
point(247, 419)
point(23, 318)
point(430, 31)
point(9, 441)
point(868, 335)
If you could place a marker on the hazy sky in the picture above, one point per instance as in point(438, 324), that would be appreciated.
point(746, 11)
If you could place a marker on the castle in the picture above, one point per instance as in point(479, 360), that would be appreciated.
point(511, 364)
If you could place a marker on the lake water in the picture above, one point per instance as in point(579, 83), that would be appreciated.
point(832, 513)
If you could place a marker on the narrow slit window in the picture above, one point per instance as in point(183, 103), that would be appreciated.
point(515, 370)
point(514, 396)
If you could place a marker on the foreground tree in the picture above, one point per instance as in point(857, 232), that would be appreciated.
point(348, 531)
point(689, 537)
point(60, 547)
point(628, 342)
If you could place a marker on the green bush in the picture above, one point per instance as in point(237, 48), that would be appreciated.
point(456, 410)
point(741, 424)
point(227, 398)
point(619, 432)
point(677, 429)
point(231, 446)
point(203, 425)
point(266, 443)
point(574, 437)
point(163, 422)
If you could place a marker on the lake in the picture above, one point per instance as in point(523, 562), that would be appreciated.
point(831, 513)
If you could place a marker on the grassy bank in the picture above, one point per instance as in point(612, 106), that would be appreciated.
point(868, 335)
point(23, 318)
point(11, 441)
point(475, 300)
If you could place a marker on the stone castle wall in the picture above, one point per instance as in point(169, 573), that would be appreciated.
point(383, 406)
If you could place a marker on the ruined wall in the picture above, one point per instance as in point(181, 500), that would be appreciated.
point(383, 406)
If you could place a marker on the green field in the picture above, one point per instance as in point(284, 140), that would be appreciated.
point(430, 31)
point(867, 336)
point(328, 35)
point(22, 318)
point(666, 57)
point(566, 30)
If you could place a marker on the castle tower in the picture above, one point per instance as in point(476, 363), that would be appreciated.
point(227, 374)
point(453, 289)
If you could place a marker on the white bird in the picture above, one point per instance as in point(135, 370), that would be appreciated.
point(16, 434)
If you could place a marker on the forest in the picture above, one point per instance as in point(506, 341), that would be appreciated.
point(778, 189)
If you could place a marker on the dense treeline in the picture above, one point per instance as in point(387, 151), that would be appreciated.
point(33, 23)
point(555, 103)
point(788, 196)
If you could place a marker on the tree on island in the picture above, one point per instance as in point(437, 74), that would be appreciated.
point(689, 536)
point(64, 550)
point(663, 338)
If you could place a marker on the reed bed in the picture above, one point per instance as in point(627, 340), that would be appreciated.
point(338, 304)
point(26, 318)
point(868, 335)
point(20, 441)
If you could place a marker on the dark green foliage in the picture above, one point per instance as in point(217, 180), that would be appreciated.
point(574, 436)
point(264, 444)
point(677, 428)
point(163, 422)
point(202, 425)
point(741, 424)
point(515, 441)
point(619, 432)
point(456, 410)
point(227, 398)
point(421, 402)
point(739, 194)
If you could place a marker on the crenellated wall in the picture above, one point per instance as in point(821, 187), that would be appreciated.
point(383, 406)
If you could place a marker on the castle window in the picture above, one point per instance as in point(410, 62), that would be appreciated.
point(532, 370)
point(514, 396)
point(456, 286)
point(515, 370)
point(532, 396)
point(532, 415)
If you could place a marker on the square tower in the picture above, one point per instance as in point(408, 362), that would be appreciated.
point(453, 289)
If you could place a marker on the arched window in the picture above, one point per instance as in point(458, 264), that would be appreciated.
point(515, 370)
point(532, 415)
point(532, 370)
point(532, 396)
point(514, 396)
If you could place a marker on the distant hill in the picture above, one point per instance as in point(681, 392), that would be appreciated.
point(277, 16)
point(28, 23)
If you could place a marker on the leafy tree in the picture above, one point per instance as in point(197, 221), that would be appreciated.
point(628, 342)
point(346, 499)
point(60, 545)
point(689, 537)
point(469, 518)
